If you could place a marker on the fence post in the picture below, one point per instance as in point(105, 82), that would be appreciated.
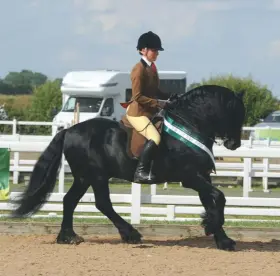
point(135, 203)
point(153, 189)
point(250, 177)
point(250, 145)
point(265, 178)
point(14, 126)
point(268, 142)
point(16, 165)
point(246, 177)
point(170, 212)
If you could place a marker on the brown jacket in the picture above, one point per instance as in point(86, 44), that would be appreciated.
point(145, 91)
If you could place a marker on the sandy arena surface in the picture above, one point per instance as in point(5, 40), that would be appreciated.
point(38, 255)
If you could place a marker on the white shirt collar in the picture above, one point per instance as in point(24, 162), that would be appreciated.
point(146, 60)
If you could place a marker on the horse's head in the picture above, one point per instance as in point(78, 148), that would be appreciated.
point(235, 114)
point(214, 111)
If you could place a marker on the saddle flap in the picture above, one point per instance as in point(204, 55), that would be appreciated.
point(136, 141)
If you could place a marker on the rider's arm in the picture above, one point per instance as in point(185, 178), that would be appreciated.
point(137, 78)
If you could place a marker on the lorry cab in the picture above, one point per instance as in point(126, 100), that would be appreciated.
point(99, 94)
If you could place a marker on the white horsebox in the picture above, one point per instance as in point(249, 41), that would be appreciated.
point(99, 93)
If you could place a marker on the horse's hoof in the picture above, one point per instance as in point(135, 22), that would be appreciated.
point(226, 244)
point(67, 238)
point(133, 237)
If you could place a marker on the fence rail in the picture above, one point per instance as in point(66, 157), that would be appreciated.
point(225, 169)
point(245, 169)
point(171, 210)
point(14, 123)
point(173, 206)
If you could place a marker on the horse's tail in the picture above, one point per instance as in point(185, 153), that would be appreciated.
point(43, 178)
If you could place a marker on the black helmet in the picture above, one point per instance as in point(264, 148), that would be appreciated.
point(149, 40)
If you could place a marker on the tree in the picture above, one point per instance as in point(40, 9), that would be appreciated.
point(193, 85)
point(15, 79)
point(25, 77)
point(59, 80)
point(38, 79)
point(5, 88)
point(45, 98)
point(258, 99)
point(22, 82)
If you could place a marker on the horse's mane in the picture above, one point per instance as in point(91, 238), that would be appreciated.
point(207, 104)
point(204, 100)
point(208, 91)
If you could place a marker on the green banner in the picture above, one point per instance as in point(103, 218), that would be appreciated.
point(273, 134)
point(4, 173)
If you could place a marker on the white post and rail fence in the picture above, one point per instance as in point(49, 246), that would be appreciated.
point(171, 206)
point(172, 203)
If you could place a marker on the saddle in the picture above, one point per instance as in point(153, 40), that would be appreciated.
point(135, 140)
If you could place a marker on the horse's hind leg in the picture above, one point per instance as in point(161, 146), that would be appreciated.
point(70, 201)
point(103, 203)
point(213, 200)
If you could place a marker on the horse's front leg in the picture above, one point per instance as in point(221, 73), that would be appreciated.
point(213, 201)
point(103, 203)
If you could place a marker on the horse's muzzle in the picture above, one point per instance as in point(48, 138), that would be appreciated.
point(232, 144)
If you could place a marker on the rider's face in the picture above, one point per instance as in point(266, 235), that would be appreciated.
point(150, 54)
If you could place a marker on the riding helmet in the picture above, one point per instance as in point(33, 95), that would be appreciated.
point(149, 40)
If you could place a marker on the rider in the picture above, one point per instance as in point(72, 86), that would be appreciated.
point(144, 102)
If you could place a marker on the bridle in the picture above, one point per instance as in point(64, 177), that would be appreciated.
point(176, 114)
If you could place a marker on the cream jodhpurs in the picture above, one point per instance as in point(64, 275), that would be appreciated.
point(140, 123)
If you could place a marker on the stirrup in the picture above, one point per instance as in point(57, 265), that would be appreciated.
point(141, 176)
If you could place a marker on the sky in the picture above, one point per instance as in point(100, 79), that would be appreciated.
point(202, 37)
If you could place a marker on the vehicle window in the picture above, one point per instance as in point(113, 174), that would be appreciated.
point(173, 85)
point(69, 105)
point(87, 105)
point(272, 118)
point(108, 107)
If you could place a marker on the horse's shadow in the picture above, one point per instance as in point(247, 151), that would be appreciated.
point(195, 242)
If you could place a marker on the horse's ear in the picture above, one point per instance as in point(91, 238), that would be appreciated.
point(240, 94)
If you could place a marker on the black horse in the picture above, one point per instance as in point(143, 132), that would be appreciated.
point(96, 151)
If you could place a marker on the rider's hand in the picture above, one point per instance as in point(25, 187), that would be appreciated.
point(173, 96)
point(162, 103)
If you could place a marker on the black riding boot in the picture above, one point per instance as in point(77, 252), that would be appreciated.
point(142, 173)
